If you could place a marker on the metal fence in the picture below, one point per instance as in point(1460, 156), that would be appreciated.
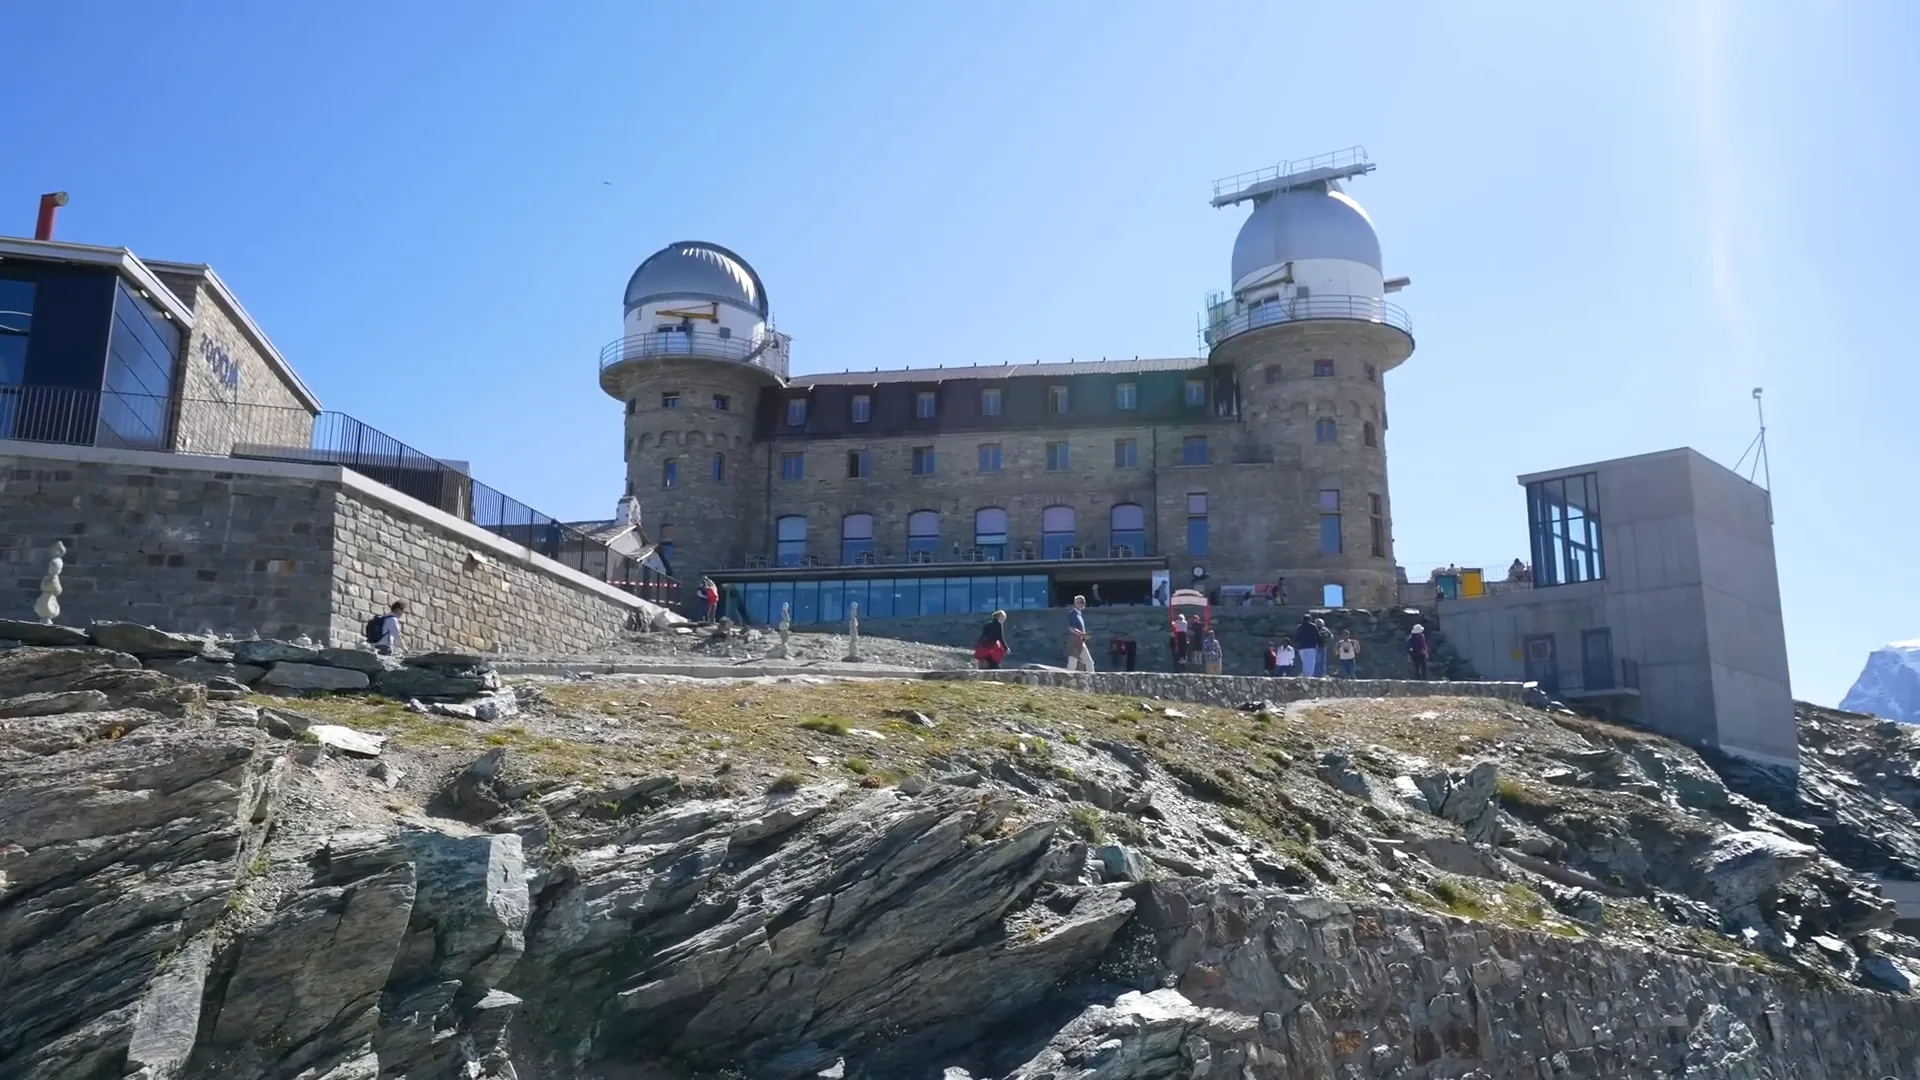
point(214, 428)
point(1227, 319)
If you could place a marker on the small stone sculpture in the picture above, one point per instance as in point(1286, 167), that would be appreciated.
point(853, 632)
point(48, 606)
point(784, 650)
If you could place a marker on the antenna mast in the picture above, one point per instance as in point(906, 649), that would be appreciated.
point(1762, 467)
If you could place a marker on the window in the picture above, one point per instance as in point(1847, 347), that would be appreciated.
point(923, 533)
point(633, 404)
point(1127, 527)
point(923, 461)
point(856, 538)
point(1057, 400)
point(1372, 373)
point(790, 540)
point(1377, 525)
point(1056, 457)
point(1369, 435)
point(1323, 369)
point(1056, 531)
point(797, 412)
point(862, 408)
point(723, 403)
point(1324, 430)
point(990, 457)
point(669, 474)
point(1193, 450)
point(719, 468)
point(1196, 393)
point(665, 547)
point(1563, 516)
point(859, 464)
point(1126, 453)
point(1272, 373)
point(990, 532)
point(626, 449)
point(793, 466)
point(1197, 536)
point(670, 401)
point(924, 405)
point(141, 351)
point(990, 402)
point(1126, 396)
point(1330, 521)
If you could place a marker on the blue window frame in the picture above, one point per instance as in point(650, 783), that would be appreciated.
point(1126, 453)
point(1057, 458)
point(793, 466)
point(856, 537)
point(923, 533)
point(1127, 524)
point(1193, 450)
point(796, 412)
point(923, 461)
point(990, 457)
point(1056, 531)
point(790, 540)
point(1197, 536)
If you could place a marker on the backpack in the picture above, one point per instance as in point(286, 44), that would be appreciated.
point(376, 629)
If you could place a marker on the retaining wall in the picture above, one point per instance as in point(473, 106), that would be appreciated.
point(1232, 690)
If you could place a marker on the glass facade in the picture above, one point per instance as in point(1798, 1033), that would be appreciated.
point(888, 598)
point(138, 382)
point(1563, 516)
point(16, 323)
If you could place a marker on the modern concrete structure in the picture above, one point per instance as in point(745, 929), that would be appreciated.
point(1655, 593)
point(927, 492)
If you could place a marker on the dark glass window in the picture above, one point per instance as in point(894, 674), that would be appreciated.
point(1056, 531)
point(1323, 369)
point(1330, 521)
point(862, 408)
point(1057, 400)
point(856, 537)
point(990, 402)
point(1324, 430)
point(793, 466)
point(1193, 450)
point(722, 403)
point(990, 532)
point(669, 401)
point(923, 534)
point(1563, 516)
point(796, 412)
point(1369, 435)
point(1197, 538)
point(923, 461)
point(138, 382)
point(925, 405)
point(1128, 527)
point(1057, 460)
point(990, 457)
point(669, 474)
point(1126, 396)
point(790, 538)
point(16, 323)
point(720, 467)
point(1126, 454)
point(1196, 393)
point(859, 464)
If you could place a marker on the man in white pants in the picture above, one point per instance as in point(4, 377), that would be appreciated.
point(1079, 656)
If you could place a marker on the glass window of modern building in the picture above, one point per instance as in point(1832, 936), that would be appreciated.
point(1126, 453)
point(1127, 524)
point(990, 457)
point(1197, 537)
point(826, 601)
point(1126, 396)
point(16, 325)
point(862, 408)
point(1057, 457)
point(925, 404)
point(1563, 516)
point(923, 533)
point(990, 401)
point(790, 540)
point(1056, 531)
point(856, 537)
point(138, 382)
point(990, 532)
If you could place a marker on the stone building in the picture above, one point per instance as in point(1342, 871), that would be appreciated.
point(920, 491)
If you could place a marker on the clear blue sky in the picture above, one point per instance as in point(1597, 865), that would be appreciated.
point(1618, 222)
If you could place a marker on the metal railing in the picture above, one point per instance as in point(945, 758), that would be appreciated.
point(214, 428)
point(1223, 321)
point(768, 352)
point(965, 556)
point(1339, 159)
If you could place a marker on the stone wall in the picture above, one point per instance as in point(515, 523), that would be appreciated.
point(230, 391)
point(281, 550)
point(1233, 690)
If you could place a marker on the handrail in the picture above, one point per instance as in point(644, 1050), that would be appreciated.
point(1223, 321)
point(767, 352)
point(1337, 159)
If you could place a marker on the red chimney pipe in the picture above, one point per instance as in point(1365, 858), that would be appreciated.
point(50, 204)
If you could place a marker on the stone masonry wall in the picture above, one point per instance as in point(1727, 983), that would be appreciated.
point(1233, 690)
point(189, 549)
point(257, 407)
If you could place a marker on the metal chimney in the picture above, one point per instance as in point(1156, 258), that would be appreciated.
point(50, 204)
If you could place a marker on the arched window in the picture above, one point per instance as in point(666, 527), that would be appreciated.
point(856, 537)
point(923, 533)
point(990, 532)
point(1056, 531)
point(1323, 430)
point(791, 537)
point(1128, 526)
point(1369, 435)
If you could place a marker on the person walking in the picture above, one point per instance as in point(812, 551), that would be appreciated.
point(1418, 650)
point(992, 646)
point(383, 631)
point(1079, 656)
point(1348, 650)
point(1212, 655)
point(1306, 641)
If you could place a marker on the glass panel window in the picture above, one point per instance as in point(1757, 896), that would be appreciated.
point(1197, 537)
point(669, 474)
point(1564, 519)
point(990, 402)
point(923, 533)
point(1056, 531)
point(1193, 450)
point(793, 466)
point(859, 464)
point(1323, 369)
point(141, 354)
point(16, 324)
point(862, 408)
point(1057, 400)
point(1323, 430)
point(990, 457)
point(856, 537)
point(723, 403)
point(924, 405)
point(720, 468)
point(832, 601)
point(670, 401)
point(990, 531)
point(923, 461)
point(879, 599)
point(1057, 457)
point(790, 540)
point(1127, 524)
point(806, 602)
point(796, 412)
point(1196, 393)
point(1330, 534)
point(1126, 454)
point(1126, 396)
point(1377, 525)
point(1329, 500)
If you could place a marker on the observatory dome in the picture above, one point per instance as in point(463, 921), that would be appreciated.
point(699, 270)
point(1304, 223)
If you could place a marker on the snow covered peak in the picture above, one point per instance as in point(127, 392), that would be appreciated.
point(1890, 684)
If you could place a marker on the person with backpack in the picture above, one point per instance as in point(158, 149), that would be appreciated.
point(1417, 650)
point(992, 646)
point(383, 631)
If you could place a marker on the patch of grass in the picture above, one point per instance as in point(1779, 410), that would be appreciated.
point(1086, 821)
point(859, 766)
point(1515, 793)
point(786, 784)
point(826, 725)
point(1460, 898)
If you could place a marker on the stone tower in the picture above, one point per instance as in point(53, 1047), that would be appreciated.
point(1306, 337)
point(697, 349)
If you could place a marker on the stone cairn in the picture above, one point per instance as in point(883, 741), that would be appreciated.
point(784, 650)
point(48, 606)
point(853, 632)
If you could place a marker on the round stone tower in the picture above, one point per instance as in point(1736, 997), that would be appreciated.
point(697, 349)
point(1308, 338)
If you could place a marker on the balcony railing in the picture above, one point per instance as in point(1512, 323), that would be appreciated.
point(1015, 553)
point(1223, 321)
point(768, 352)
point(213, 428)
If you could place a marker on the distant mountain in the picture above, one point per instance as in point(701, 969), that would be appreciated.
point(1890, 685)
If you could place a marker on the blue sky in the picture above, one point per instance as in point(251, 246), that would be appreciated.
point(1618, 221)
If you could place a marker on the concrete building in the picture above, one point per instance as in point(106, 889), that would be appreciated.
point(1655, 593)
point(918, 491)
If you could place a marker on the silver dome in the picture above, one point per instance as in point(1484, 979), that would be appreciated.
point(697, 270)
point(1304, 223)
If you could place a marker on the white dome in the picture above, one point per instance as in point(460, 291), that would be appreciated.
point(1304, 223)
point(698, 270)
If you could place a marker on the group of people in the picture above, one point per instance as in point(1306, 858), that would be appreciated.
point(1191, 639)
